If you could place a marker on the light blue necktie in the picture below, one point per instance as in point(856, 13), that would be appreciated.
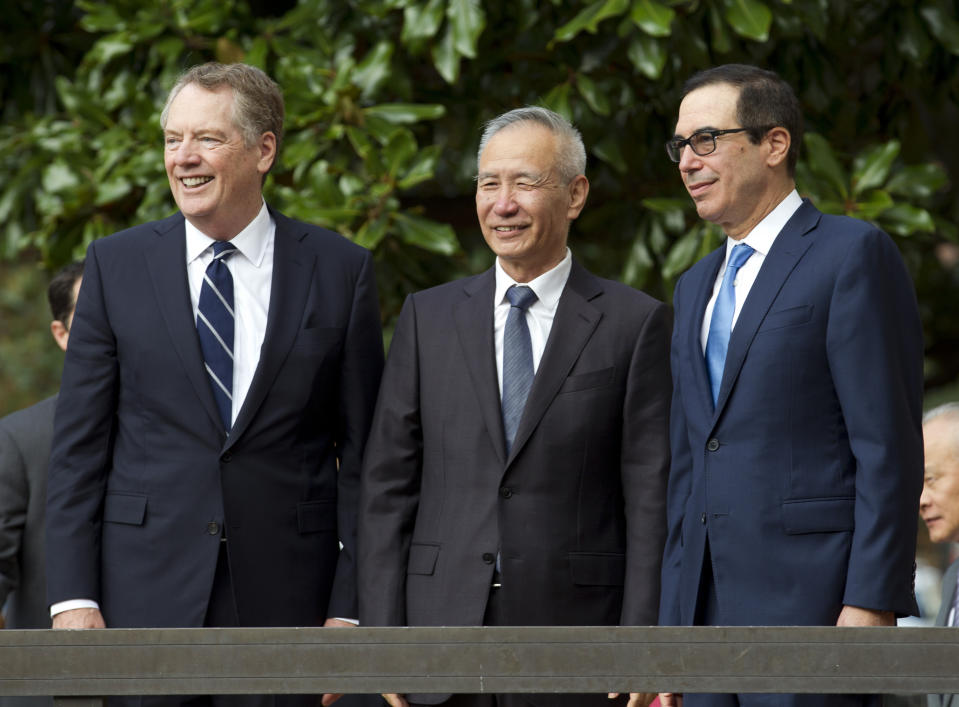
point(517, 360)
point(721, 325)
point(214, 324)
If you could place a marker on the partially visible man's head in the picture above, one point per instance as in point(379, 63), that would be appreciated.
point(222, 127)
point(939, 503)
point(736, 177)
point(62, 296)
point(529, 187)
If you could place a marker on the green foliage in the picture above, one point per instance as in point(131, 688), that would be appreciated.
point(386, 99)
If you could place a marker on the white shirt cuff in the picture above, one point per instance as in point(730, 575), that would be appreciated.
point(62, 606)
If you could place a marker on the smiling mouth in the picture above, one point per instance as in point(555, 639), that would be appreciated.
point(195, 181)
point(508, 229)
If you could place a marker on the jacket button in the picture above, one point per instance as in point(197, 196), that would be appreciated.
point(213, 528)
point(712, 445)
point(703, 519)
point(226, 458)
point(505, 492)
point(489, 558)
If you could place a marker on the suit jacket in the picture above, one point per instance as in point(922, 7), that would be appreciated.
point(806, 476)
point(948, 597)
point(144, 479)
point(25, 438)
point(575, 510)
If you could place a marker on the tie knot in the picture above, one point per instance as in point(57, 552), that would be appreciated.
point(739, 255)
point(520, 296)
point(223, 249)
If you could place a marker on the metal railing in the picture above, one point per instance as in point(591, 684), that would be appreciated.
point(92, 664)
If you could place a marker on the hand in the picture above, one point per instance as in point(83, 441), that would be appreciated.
point(332, 697)
point(856, 616)
point(396, 700)
point(79, 618)
point(636, 699)
point(671, 699)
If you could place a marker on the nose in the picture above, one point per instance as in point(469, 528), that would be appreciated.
point(186, 152)
point(688, 160)
point(924, 499)
point(505, 204)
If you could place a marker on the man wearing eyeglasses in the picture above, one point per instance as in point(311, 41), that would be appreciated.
point(797, 385)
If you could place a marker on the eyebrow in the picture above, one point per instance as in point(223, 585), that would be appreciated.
point(514, 175)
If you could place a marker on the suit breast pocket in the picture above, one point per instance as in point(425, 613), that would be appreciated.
point(586, 381)
point(783, 318)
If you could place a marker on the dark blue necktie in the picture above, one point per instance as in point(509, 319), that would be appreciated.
point(214, 324)
point(721, 325)
point(517, 360)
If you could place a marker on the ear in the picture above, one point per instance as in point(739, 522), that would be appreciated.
point(60, 333)
point(267, 148)
point(578, 191)
point(779, 141)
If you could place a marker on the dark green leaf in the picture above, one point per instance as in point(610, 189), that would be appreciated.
point(375, 69)
point(918, 181)
point(594, 96)
point(558, 100)
point(467, 20)
point(589, 18)
point(943, 25)
point(717, 29)
point(421, 168)
point(426, 233)
point(749, 18)
point(422, 21)
point(609, 150)
point(682, 254)
point(824, 164)
point(905, 220)
point(874, 204)
point(400, 113)
point(652, 17)
point(871, 168)
point(648, 55)
point(446, 59)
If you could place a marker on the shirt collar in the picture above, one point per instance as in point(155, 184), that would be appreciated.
point(761, 238)
point(251, 241)
point(548, 286)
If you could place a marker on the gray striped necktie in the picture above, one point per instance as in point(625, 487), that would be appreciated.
point(517, 360)
point(214, 324)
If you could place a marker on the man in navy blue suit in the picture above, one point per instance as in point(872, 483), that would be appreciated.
point(797, 385)
point(216, 396)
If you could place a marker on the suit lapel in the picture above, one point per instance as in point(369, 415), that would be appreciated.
point(788, 248)
point(166, 263)
point(711, 265)
point(293, 266)
point(574, 324)
point(474, 327)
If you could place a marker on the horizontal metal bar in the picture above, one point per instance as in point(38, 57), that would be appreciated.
point(473, 659)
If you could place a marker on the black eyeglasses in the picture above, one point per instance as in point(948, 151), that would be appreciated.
point(702, 142)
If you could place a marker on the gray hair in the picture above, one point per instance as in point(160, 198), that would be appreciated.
point(257, 100)
point(944, 410)
point(571, 156)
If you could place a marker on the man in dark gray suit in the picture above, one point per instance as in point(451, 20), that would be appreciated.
point(516, 468)
point(939, 508)
point(25, 439)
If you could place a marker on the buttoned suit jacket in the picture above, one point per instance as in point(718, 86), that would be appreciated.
point(25, 438)
point(575, 510)
point(948, 598)
point(806, 476)
point(144, 479)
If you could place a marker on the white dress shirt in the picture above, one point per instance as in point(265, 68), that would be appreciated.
point(539, 316)
point(252, 271)
point(760, 239)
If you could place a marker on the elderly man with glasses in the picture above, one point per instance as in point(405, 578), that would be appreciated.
point(797, 386)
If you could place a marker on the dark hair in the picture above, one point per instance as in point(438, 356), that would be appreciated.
point(257, 100)
point(60, 290)
point(765, 102)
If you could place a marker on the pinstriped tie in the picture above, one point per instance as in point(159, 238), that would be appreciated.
point(214, 324)
point(517, 360)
